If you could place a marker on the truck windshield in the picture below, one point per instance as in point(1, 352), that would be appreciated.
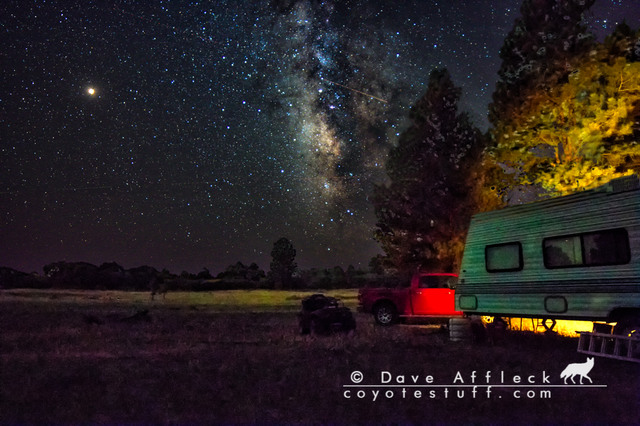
point(437, 281)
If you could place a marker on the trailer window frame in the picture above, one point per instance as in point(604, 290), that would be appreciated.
point(520, 258)
point(621, 254)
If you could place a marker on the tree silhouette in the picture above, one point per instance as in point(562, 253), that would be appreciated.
point(538, 52)
point(424, 210)
point(283, 263)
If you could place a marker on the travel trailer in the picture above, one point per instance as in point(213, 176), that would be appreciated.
point(571, 257)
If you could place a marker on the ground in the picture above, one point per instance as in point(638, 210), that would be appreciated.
point(237, 357)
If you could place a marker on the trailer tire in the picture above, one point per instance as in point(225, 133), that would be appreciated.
point(385, 313)
point(628, 326)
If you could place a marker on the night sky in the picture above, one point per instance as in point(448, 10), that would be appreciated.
point(186, 134)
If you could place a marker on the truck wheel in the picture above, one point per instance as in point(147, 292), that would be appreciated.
point(385, 314)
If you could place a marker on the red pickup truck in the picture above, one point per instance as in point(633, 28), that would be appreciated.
point(430, 295)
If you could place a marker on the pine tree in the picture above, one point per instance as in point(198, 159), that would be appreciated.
point(538, 52)
point(424, 210)
point(624, 42)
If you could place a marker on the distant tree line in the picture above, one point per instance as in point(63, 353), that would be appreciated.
point(111, 276)
point(283, 274)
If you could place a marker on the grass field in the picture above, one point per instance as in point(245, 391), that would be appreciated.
point(236, 357)
point(223, 300)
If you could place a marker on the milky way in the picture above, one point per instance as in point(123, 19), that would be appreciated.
point(186, 135)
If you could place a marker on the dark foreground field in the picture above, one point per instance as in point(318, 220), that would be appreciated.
point(63, 362)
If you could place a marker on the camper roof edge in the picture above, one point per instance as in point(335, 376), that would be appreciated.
point(621, 184)
point(615, 186)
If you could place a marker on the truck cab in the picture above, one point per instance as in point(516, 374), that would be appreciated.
point(428, 296)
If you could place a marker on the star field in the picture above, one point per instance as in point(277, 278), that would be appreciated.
point(185, 134)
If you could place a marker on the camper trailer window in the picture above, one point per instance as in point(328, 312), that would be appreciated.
point(607, 248)
point(610, 247)
point(504, 257)
point(562, 252)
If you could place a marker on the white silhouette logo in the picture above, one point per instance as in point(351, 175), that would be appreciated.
point(578, 369)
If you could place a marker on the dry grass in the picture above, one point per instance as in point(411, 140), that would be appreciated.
point(199, 363)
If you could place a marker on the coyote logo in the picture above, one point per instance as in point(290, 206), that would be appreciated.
point(580, 369)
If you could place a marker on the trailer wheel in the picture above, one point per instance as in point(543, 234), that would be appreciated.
point(385, 313)
point(629, 326)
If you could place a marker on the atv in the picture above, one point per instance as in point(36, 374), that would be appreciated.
point(324, 315)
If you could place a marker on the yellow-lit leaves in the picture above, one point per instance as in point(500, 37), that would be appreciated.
point(585, 124)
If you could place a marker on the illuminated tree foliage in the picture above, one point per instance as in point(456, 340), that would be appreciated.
point(424, 210)
point(538, 53)
point(582, 132)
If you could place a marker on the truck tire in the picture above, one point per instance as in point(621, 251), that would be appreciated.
point(385, 313)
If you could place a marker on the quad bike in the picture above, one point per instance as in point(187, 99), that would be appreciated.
point(324, 315)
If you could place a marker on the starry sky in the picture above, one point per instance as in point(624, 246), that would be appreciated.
point(191, 134)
